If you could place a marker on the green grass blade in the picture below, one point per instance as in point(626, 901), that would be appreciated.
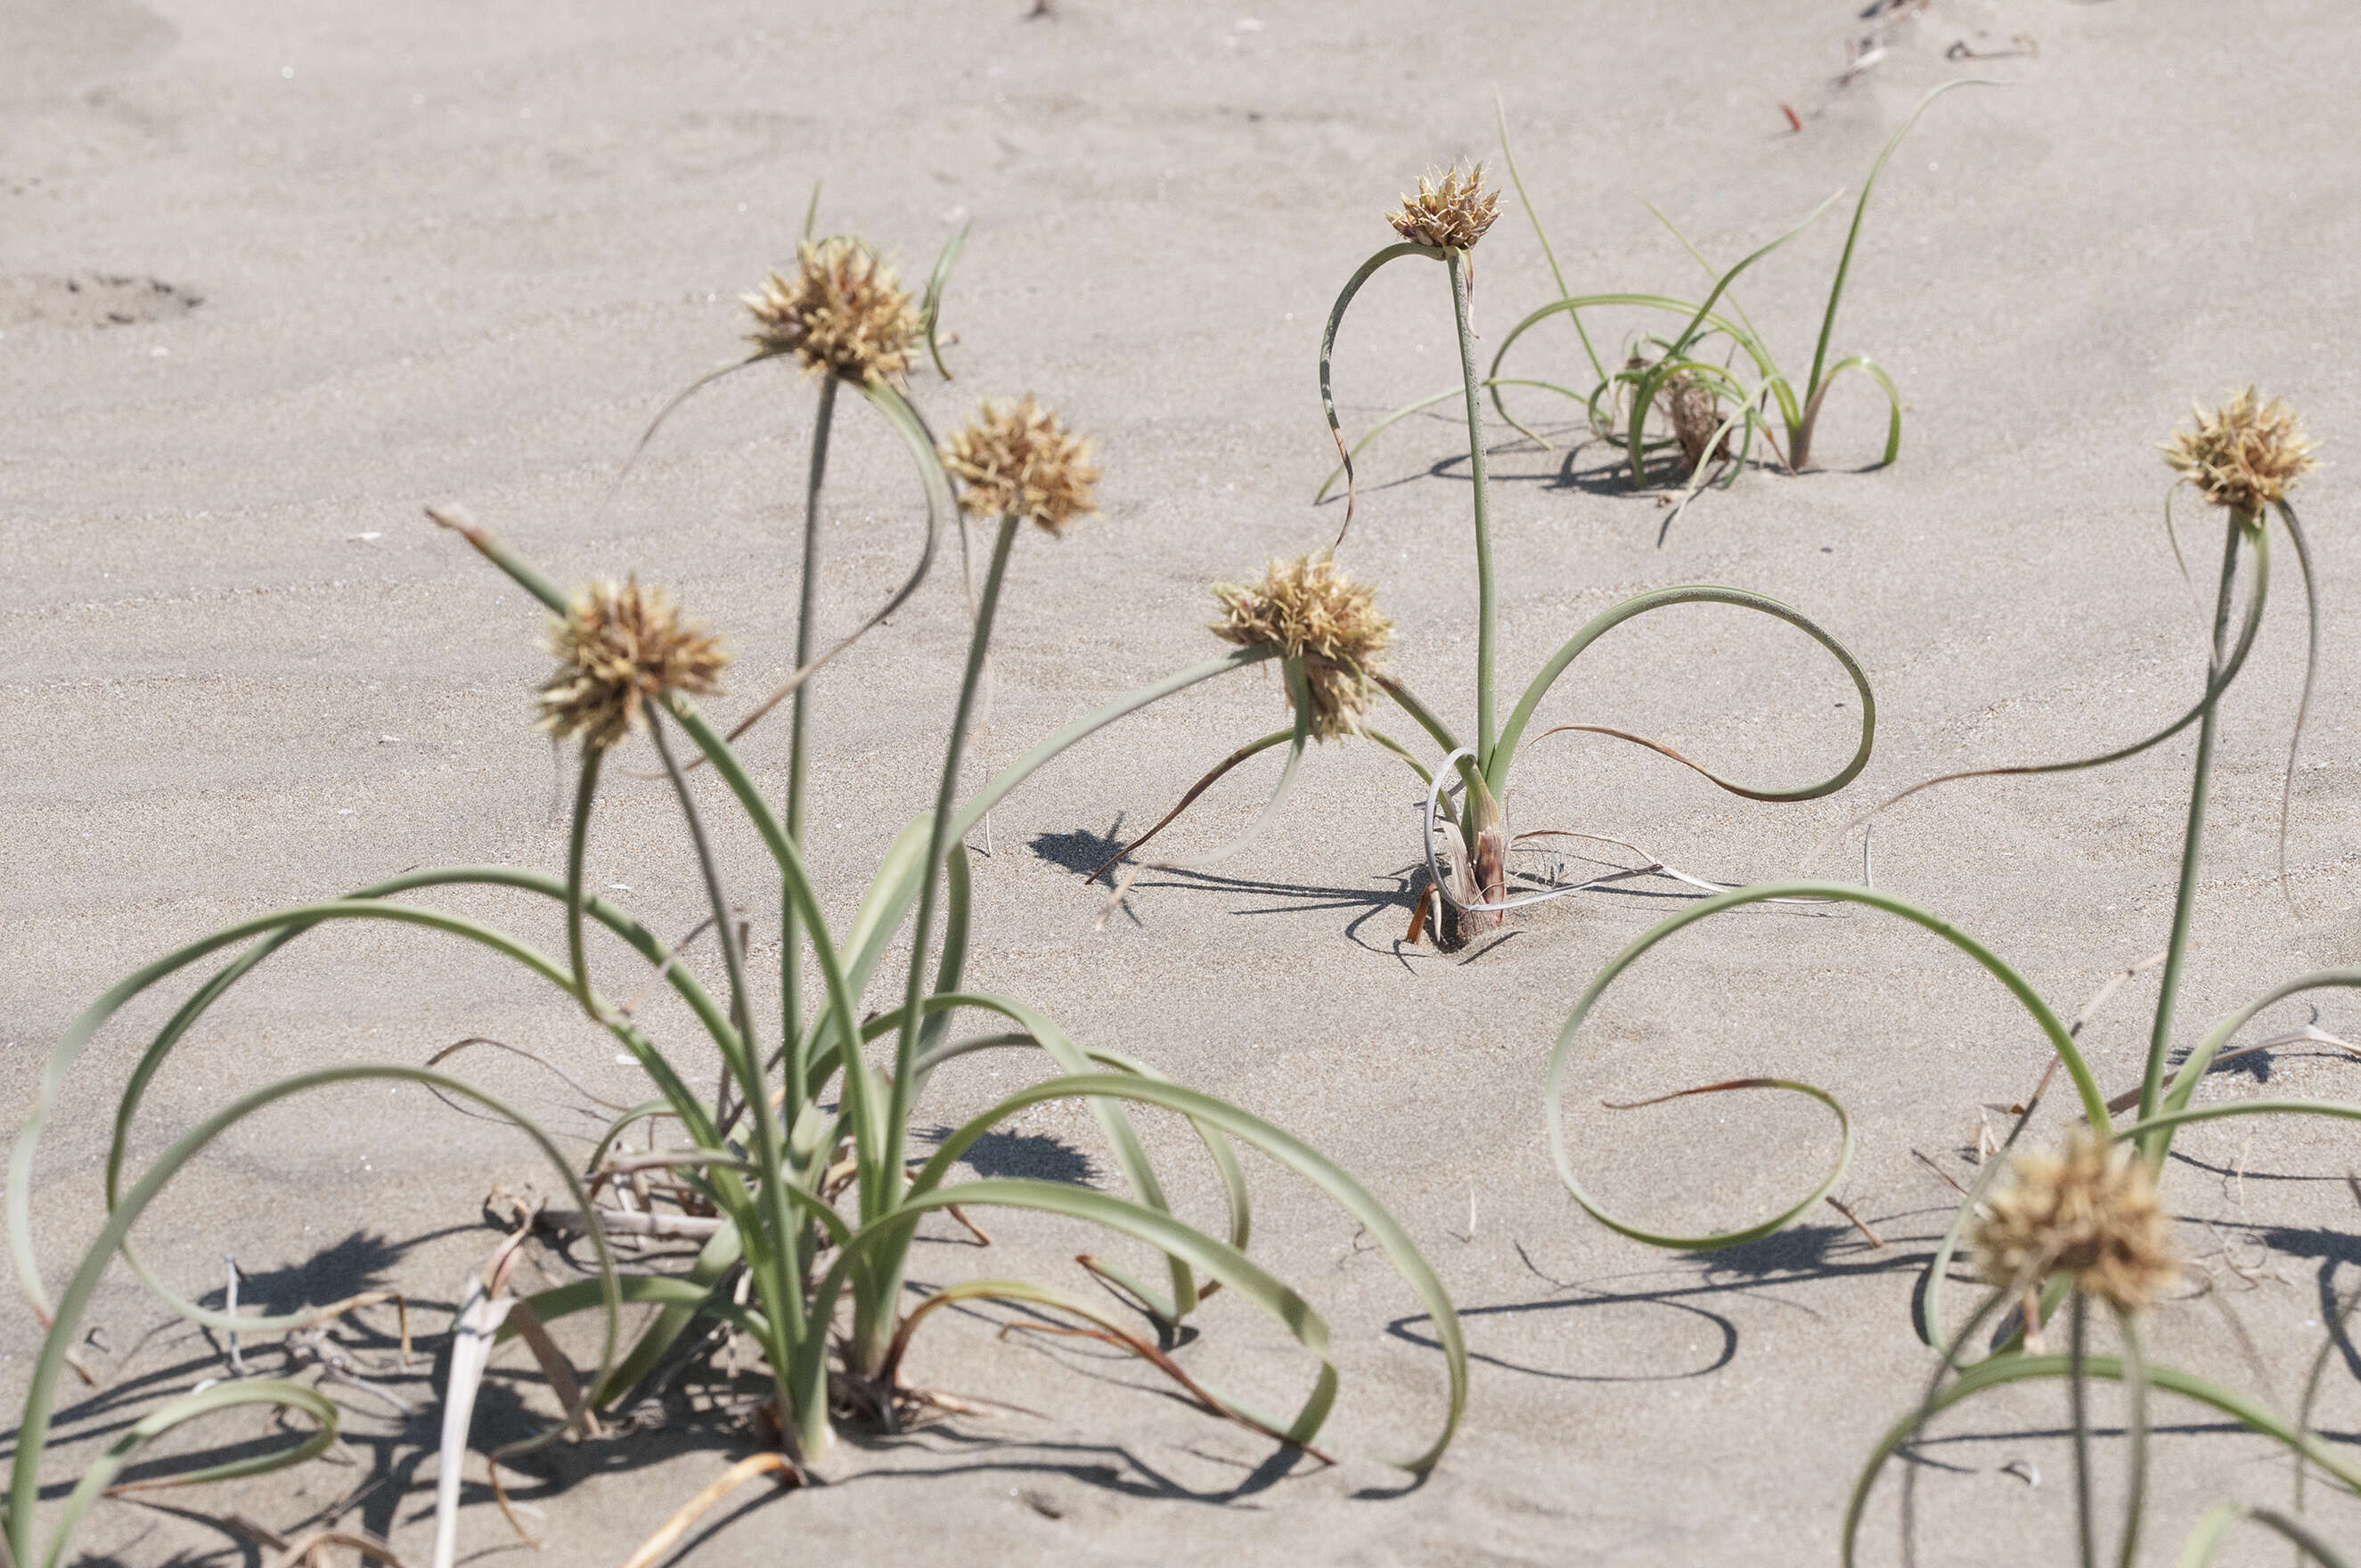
point(905, 421)
point(2192, 1070)
point(79, 1033)
point(1504, 754)
point(1328, 349)
point(1252, 749)
point(1282, 1146)
point(2256, 1417)
point(1875, 372)
point(1422, 404)
point(1754, 335)
point(1853, 233)
point(722, 1249)
point(521, 571)
point(1561, 1055)
point(1237, 1272)
point(2217, 684)
point(1130, 1154)
point(226, 1394)
point(958, 916)
point(1557, 274)
point(931, 311)
point(1665, 302)
point(2311, 672)
point(1230, 1174)
point(33, 1429)
point(2205, 1542)
point(843, 1003)
point(1105, 1325)
point(1081, 729)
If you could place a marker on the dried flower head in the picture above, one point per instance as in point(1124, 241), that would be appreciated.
point(1016, 460)
point(1452, 215)
point(842, 311)
point(616, 648)
point(2243, 454)
point(1308, 611)
point(2089, 1210)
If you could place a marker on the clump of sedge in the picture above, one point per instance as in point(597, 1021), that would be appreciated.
point(1308, 611)
point(844, 312)
point(619, 647)
point(2245, 454)
point(2088, 1211)
point(1452, 215)
point(1016, 460)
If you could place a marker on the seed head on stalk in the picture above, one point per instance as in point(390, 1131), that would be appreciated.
point(1308, 611)
point(1449, 215)
point(843, 312)
point(2243, 454)
point(2088, 1211)
point(1016, 460)
point(618, 647)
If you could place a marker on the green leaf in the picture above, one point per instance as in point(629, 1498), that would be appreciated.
point(1504, 754)
point(33, 1429)
point(1252, 1130)
point(1562, 1056)
point(224, 1395)
point(2256, 1417)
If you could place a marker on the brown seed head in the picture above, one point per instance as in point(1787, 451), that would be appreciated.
point(2243, 454)
point(1308, 611)
point(1452, 215)
point(2089, 1210)
point(843, 312)
point(616, 648)
point(1695, 414)
point(1016, 460)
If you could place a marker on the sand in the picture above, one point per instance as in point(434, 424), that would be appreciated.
point(373, 258)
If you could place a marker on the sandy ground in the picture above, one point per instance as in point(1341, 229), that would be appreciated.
point(272, 277)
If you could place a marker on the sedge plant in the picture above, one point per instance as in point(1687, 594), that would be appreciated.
point(1310, 611)
point(1706, 379)
point(2081, 1228)
point(797, 1173)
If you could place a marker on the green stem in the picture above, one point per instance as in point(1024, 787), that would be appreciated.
point(2078, 1401)
point(892, 1177)
point(1089, 724)
point(1456, 262)
point(2136, 1398)
point(733, 959)
point(2192, 841)
point(791, 962)
point(577, 844)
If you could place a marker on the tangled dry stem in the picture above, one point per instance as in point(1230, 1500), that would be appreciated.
point(618, 647)
point(1016, 460)
point(844, 312)
point(2245, 454)
point(2089, 1210)
point(1308, 611)
point(1450, 214)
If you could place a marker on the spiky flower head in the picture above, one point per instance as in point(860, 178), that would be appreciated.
point(1452, 215)
point(1309, 612)
point(1016, 460)
point(843, 312)
point(2243, 454)
point(2088, 1211)
point(618, 647)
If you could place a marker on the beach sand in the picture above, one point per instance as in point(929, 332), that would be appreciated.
point(376, 257)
